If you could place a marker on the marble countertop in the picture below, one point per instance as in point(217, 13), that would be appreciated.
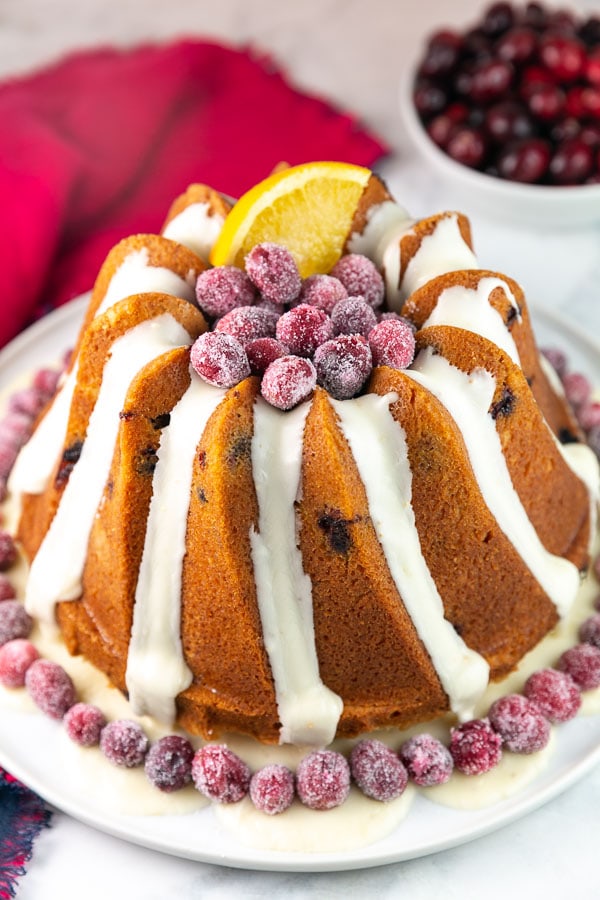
point(353, 54)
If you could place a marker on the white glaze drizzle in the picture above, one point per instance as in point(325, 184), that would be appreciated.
point(137, 275)
point(57, 569)
point(468, 398)
point(470, 309)
point(197, 227)
point(378, 445)
point(308, 710)
point(156, 669)
point(444, 250)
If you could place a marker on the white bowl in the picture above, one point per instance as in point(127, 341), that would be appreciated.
point(527, 204)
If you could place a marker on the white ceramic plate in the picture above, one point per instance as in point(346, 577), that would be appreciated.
point(31, 745)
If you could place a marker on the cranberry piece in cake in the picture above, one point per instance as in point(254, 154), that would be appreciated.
point(343, 365)
point(14, 621)
point(555, 693)
point(84, 723)
point(582, 663)
point(323, 291)
point(360, 278)
point(520, 724)
point(124, 743)
point(288, 381)
point(323, 779)
point(50, 687)
point(392, 344)
point(8, 551)
point(273, 270)
point(219, 359)
point(219, 774)
point(353, 315)
point(377, 770)
point(15, 658)
point(427, 760)
point(303, 329)
point(222, 289)
point(272, 789)
point(475, 747)
point(168, 763)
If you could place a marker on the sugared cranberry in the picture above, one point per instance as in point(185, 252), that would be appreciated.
point(491, 81)
point(14, 621)
point(353, 316)
point(16, 427)
point(15, 658)
point(392, 344)
point(222, 289)
point(8, 454)
point(508, 121)
point(555, 693)
point(323, 291)
point(427, 760)
point(557, 360)
point(124, 743)
point(46, 381)
point(7, 589)
point(588, 415)
point(28, 401)
point(272, 789)
point(582, 663)
point(520, 724)
point(219, 359)
point(247, 323)
point(571, 163)
point(563, 56)
point(273, 270)
point(303, 328)
point(518, 45)
point(168, 763)
point(8, 551)
point(50, 687)
point(475, 747)
point(262, 352)
point(361, 278)
point(84, 723)
point(343, 365)
point(577, 388)
point(323, 779)
point(589, 631)
point(526, 161)
point(219, 774)
point(288, 381)
point(377, 770)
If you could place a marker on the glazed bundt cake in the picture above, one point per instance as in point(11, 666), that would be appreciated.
point(296, 563)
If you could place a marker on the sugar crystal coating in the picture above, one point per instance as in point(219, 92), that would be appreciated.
point(50, 687)
point(7, 589)
point(288, 381)
point(343, 364)
point(323, 779)
point(589, 631)
point(303, 328)
point(582, 663)
point(427, 760)
point(392, 344)
point(15, 428)
point(475, 747)
point(322, 291)
point(262, 352)
point(14, 621)
point(124, 743)
point(377, 770)
point(8, 551)
point(219, 359)
point(557, 359)
point(15, 658)
point(353, 315)
point(84, 723)
point(520, 724)
point(168, 763)
point(28, 401)
point(360, 278)
point(555, 693)
point(222, 289)
point(220, 774)
point(273, 270)
point(46, 381)
point(272, 789)
point(577, 388)
point(8, 454)
point(246, 323)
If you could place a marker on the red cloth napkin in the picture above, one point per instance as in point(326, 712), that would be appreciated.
point(96, 147)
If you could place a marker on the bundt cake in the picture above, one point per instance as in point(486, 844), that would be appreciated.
point(340, 561)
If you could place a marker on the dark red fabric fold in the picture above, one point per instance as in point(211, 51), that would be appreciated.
point(96, 147)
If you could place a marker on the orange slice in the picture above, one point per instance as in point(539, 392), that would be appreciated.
point(308, 208)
